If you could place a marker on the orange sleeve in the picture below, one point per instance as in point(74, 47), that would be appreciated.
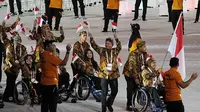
point(178, 77)
point(53, 59)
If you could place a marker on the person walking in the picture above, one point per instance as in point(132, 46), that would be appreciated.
point(82, 8)
point(137, 5)
point(19, 6)
point(49, 75)
point(109, 72)
point(173, 84)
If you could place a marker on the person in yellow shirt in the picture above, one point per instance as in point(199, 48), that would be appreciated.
point(173, 84)
point(112, 9)
point(49, 76)
point(55, 9)
point(177, 8)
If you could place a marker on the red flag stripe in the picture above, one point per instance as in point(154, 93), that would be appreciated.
point(179, 35)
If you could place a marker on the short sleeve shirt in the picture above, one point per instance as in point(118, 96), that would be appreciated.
point(172, 90)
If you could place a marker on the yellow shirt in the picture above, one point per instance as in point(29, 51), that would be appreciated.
point(177, 5)
point(113, 4)
point(56, 4)
point(172, 90)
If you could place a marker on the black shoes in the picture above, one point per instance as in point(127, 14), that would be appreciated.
point(105, 30)
point(110, 108)
point(129, 108)
point(134, 19)
point(13, 13)
point(195, 21)
point(144, 19)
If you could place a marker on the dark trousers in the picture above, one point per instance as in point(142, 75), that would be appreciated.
point(104, 7)
point(137, 5)
point(169, 4)
point(155, 96)
point(63, 80)
point(0, 66)
point(58, 14)
point(114, 90)
point(175, 106)
point(49, 98)
point(109, 14)
point(131, 87)
point(82, 7)
point(19, 6)
point(198, 11)
point(175, 16)
point(10, 84)
point(47, 3)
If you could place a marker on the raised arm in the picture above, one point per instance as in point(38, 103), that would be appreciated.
point(97, 48)
point(119, 46)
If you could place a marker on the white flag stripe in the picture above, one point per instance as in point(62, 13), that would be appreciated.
point(172, 45)
point(181, 67)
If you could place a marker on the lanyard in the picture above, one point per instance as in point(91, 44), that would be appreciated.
point(111, 58)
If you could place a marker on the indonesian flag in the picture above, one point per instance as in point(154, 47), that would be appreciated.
point(19, 26)
point(40, 21)
point(22, 30)
point(114, 25)
point(2, 0)
point(30, 37)
point(176, 47)
point(11, 33)
point(86, 23)
point(74, 57)
point(36, 10)
point(80, 27)
point(7, 16)
point(119, 61)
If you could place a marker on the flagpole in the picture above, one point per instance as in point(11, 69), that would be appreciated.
point(164, 60)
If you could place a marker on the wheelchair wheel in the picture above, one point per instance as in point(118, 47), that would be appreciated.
point(83, 88)
point(21, 93)
point(140, 100)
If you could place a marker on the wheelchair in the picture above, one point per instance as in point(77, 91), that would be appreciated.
point(142, 99)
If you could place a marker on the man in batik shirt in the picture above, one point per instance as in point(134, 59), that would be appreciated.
point(109, 71)
point(15, 52)
point(79, 49)
point(132, 70)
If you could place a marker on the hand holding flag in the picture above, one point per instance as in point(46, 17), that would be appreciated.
point(114, 26)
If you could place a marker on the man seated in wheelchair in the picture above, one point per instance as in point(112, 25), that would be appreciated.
point(91, 68)
point(28, 73)
point(150, 80)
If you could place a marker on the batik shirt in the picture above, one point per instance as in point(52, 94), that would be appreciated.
point(12, 54)
point(108, 56)
point(134, 64)
point(148, 76)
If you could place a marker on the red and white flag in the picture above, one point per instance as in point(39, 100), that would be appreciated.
point(30, 37)
point(114, 25)
point(7, 16)
point(176, 47)
point(86, 23)
point(36, 10)
point(22, 30)
point(40, 21)
point(80, 27)
point(74, 57)
point(19, 26)
point(119, 61)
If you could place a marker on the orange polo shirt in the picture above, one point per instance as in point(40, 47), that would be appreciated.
point(113, 4)
point(172, 90)
point(177, 5)
point(49, 64)
point(56, 4)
